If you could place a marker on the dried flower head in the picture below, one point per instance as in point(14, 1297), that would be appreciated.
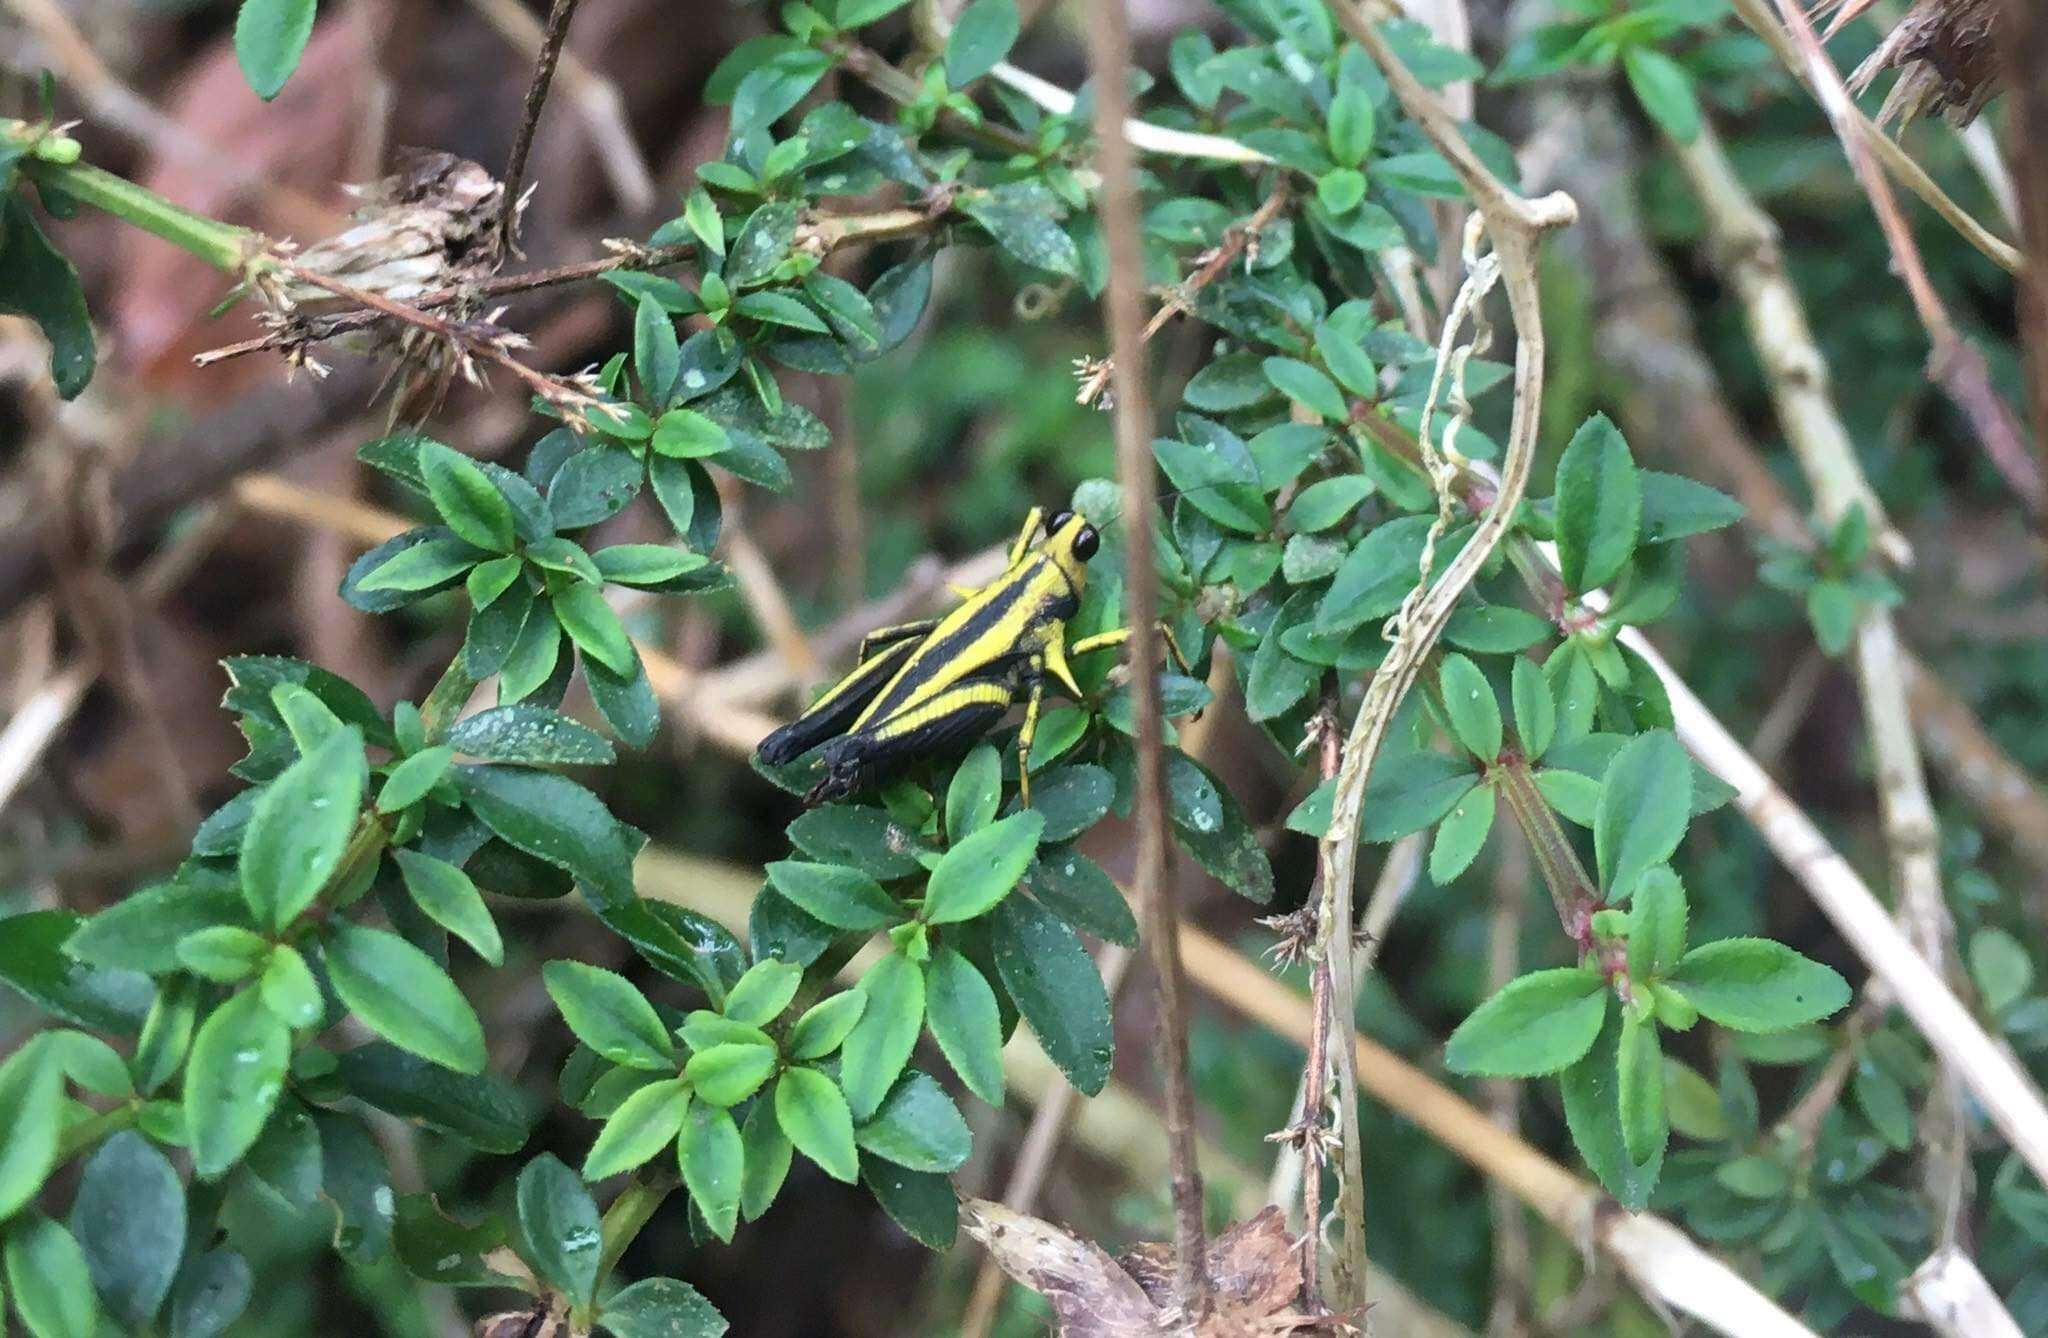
point(1945, 52)
point(424, 227)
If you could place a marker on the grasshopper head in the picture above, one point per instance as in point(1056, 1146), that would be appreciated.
point(1070, 541)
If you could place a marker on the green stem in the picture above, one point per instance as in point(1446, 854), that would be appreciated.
point(87, 1133)
point(630, 1212)
point(221, 245)
point(1571, 890)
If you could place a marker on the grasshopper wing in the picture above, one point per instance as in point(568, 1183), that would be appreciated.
point(837, 707)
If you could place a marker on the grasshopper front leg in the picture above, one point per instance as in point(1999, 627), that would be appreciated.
point(1118, 636)
point(1034, 683)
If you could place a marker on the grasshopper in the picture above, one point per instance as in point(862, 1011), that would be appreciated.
point(920, 687)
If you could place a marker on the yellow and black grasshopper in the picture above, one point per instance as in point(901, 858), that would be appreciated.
point(923, 687)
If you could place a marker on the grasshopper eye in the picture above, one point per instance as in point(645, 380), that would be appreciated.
point(1086, 541)
point(1059, 521)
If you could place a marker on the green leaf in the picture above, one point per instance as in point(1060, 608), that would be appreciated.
point(1473, 710)
point(1639, 1075)
point(141, 932)
point(920, 1202)
point(1645, 803)
point(657, 355)
point(1225, 491)
point(129, 1220)
point(556, 820)
point(824, 1026)
point(594, 627)
point(50, 1281)
point(1692, 1104)
point(232, 1081)
point(773, 308)
point(975, 791)
point(770, 90)
point(1535, 709)
point(981, 36)
point(1599, 506)
point(1665, 90)
point(450, 900)
point(767, 1151)
point(223, 953)
point(865, 838)
point(1574, 795)
point(1883, 1102)
point(1308, 387)
point(917, 1126)
point(435, 561)
point(713, 1160)
point(300, 827)
point(1753, 984)
point(1320, 506)
point(981, 870)
point(880, 1043)
point(1018, 218)
point(1495, 629)
point(289, 990)
point(559, 1232)
point(1592, 1109)
point(35, 959)
point(211, 1293)
point(609, 1015)
point(483, 1111)
point(1233, 381)
point(411, 779)
point(1075, 888)
point(647, 565)
point(1351, 125)
point(32, 1106)
point(1057, 989)
point(36, 281)
point(1340, 189)
point(270, 36)
point(1409, 791)
point(1376, 575)
point(1834, 610)
point(469, 503)
point(726, 1075)
point(529, 736)
point(1071, 800)
point(1461, 836)
point(1656, 926)
point(1675, 507)
point(403, 996)
point(763, 992)
point(961, 1011)
point(836, 895)
point(814, 1116)
point(1537, 1024)
point(2000, 966)
point(661, 1308)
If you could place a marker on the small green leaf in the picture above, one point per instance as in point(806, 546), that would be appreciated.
point(224, 954)
point(300, 826)
point(1308, 387)
point(763, 992)
point(559, 1231)
point(813, 1115)
point(981, 870)
point(961, 1011)
point(713, 1161)
point(825, 1026)
point(289, 990)
point(609, 1015)
point(685, 434)
point(1639, 1070)
point(32, 1105)
point(232, 1081)
point(726, 1075)
point(767, 1154)
point(484, 1111)
point(1537, 1024)
point(1351, 125)
point(647, 565)
point(1461, 835)
point(37, 281)
point(917, 1126)
point(1473, 709)
point(451, 900)
point(1535, 708)
point(403, 996)
point(270, 37)
point(1057, 988)
point(661, 1308)
point(426, 565)
point(2000, 966)
point(50, 1281)
point(1656, 926)
point(975, 791)
point(656, 351)
point(1665, 90)
point(1340, 189)
point(1753, 984)
point(469, 503)
point(880, 1043)
point(129, 1220)
point(841, 897)
point(1599, 506)
point(1592, 1109)
point(1645, 803)
point(410, 780)
point(594, 627)
point(981, 37)
point(1320, 506)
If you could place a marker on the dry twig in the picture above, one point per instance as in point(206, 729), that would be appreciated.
point(529, 117)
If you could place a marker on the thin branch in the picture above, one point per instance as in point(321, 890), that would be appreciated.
point(1143, 135)
point(529, 117)
point(1955, 365)
point(1515, 226)
point(1757, 14)
point(1109, 52)
point(2025, 44)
